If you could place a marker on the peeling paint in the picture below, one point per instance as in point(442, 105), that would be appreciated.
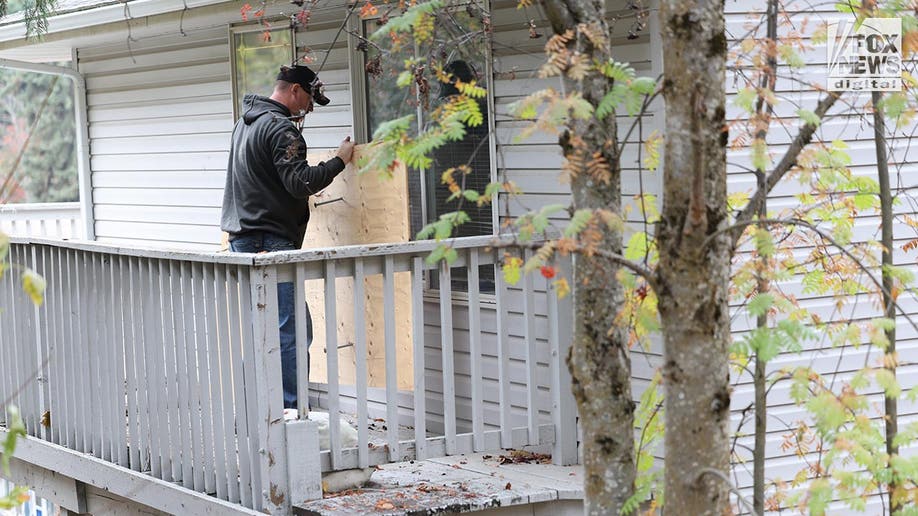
point(277, 497)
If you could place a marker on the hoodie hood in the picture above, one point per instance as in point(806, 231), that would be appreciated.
point(253, 106)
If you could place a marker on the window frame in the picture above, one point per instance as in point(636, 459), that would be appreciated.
point(246, 28)
point(360, 112)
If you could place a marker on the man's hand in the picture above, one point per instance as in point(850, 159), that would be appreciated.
point(346, 150)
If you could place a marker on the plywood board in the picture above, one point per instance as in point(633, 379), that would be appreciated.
point(372, 210)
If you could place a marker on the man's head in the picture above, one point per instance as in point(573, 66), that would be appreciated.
point(298, 87)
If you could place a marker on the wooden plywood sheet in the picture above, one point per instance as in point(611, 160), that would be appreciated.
point(372, 210)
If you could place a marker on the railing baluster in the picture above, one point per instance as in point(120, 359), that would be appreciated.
point(148, 459)
point(331, 350)
point(108, 385)
point(170, 346)
point(212, 316)
point(564, 407)
point(239, 413)
point(475, 352)
point(271, 431)
point(447, 357)
point(84, 356)
point(360, 349)
point(119, 343)
point(182, 458)
point(20, 340)
point(392, 420)
point(228, 459)
point(153, 354)
point(302, 351)
point(54, 316)
point(44, 320)
point(190, 292)
point(417, 330)
point(95, 351)
point(532, 375)
point(252, 414)
point(133, 348)
point(6, 341)
point(503, 360)
point(201, 284)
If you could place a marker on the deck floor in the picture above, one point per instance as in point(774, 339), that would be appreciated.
point(461, 483)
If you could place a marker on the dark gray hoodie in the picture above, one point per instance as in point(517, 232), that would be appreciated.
point(268, 179)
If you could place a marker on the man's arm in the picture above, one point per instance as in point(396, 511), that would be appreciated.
point(299, 177)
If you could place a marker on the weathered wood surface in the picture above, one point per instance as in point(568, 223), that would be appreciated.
point(452, 484)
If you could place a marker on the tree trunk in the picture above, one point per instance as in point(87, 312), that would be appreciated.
point(695, 260)
point(889, 309)
point(600, 362)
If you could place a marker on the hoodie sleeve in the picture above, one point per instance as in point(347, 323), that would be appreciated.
point(298, 176)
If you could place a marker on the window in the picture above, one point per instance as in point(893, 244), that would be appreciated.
point(258, 54)
point(458, 43)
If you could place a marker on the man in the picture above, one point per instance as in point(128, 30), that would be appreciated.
point(268, 182)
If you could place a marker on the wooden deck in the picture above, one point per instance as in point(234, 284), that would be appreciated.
point(457, 484)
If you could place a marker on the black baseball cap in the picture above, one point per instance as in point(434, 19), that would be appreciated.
point(307, 79)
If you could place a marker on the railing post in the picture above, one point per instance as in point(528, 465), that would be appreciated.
point(272, 436)
point(561, 333)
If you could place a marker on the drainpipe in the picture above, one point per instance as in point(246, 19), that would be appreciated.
point(84, 174)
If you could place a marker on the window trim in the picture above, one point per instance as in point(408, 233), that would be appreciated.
point(245, 28)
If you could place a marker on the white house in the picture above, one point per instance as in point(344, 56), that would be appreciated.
point(157, 85)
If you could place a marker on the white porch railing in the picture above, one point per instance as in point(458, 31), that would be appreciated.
point(168, 363)
point(49, 220)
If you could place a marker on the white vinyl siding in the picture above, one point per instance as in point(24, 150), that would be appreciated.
point(160, 118)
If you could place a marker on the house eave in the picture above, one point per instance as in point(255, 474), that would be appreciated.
point(14, 34)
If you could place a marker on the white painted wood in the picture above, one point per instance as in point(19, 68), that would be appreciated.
point(302, 352)
point(228, 456)
point(417, 318)
point(141, 488)
point(119, 282)
point(360, 346)
point(531, 356)
point(189, 304)
point(331, 351)
point(564, 406)
point(304, 461)
point(391, 356)
point(151, 382)
point(55, 218)
point(170, 347)
point(236, 356)
point(503, 359)
point(203, 282)
point(214, 332)
point(252, 418)
point(132, 349)
point(447, 357)
point(182, 411)
point(107, 384)
point(272, 439)
point(475, 351)
point(86, 395)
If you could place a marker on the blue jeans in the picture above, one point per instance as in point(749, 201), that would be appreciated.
point(257, 242)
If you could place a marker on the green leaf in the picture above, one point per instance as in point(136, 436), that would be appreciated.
point(633, 102)
point(764, 243)
point(15, 429)
point(578, 222)
point(436, 255)
point(611, 100)
point(471, 195)
point(886, 379)
point(404, 78)
point(760, 304)
point(638, 247)
point(809, 117)
point(790, 56)
point(4, 245)
point(745, 98)
point(829, 412)
point(451, 255)
point(492, 189)
point(760, 160)
point(511, 271)
point(644, 85)
point(620, 72)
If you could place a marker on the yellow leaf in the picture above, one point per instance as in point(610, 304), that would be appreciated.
point(34, 286)
point(562, 287)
